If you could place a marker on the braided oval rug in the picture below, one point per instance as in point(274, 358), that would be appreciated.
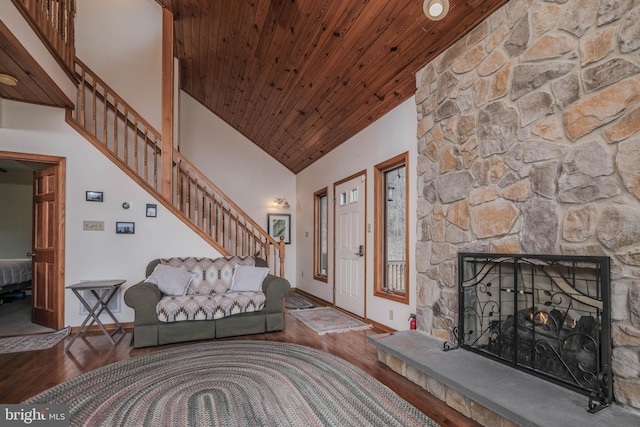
point(232, 383)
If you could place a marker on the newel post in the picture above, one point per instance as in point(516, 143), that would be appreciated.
point(281, 250)
point(167, 102)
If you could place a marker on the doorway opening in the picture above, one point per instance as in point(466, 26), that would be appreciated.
point(350, 221)
point(33, 187)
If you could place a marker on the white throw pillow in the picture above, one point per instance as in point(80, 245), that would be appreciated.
point(171, 280)
point(248, 279)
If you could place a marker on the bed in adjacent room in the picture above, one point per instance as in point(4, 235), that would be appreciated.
point(15, 274)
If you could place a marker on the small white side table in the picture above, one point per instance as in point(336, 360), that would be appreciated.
point(101, 305)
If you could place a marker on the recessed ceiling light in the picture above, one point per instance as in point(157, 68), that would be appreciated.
point(8, 80)
point(435, 9)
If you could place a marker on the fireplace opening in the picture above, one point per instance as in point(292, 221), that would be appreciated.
point(546, 315)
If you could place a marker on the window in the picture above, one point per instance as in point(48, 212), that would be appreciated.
point(343, 199)
point(391, 229)
point(321, 235)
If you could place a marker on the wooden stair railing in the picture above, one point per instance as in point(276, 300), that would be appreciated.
point(219, 217)
point(119, 132)
point(53, 21)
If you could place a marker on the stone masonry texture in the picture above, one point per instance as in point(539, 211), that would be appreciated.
point(529, 142)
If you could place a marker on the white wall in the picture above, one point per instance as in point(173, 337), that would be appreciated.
point(16, 201)
point(94, 254)
point(393, 134)
point(121, 41)
point(242, 170)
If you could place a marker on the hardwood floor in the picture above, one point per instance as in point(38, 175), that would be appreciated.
point(26, 374)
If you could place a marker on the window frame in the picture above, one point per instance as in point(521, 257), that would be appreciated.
point(380, 197)
point(317, 230)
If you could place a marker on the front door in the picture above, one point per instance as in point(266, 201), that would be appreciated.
point(350, 245)
point(45, 238)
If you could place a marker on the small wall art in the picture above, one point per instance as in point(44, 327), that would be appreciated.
point(152, 210)
point(279, 225)
point(125, 227)
point(94, 196)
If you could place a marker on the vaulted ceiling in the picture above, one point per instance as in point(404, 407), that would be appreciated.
point(300, 77)
point(296, 77)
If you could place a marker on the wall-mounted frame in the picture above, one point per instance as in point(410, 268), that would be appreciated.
point(152, 210)
point(125, 227)
point(279, 225)
point(94, 196)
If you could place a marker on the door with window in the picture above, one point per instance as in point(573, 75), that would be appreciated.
point(350, 223)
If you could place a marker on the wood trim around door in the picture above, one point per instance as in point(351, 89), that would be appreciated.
point(60, 214)
point(335, 184)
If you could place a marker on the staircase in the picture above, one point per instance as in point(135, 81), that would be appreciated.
point(121, 134)
point(53, 21)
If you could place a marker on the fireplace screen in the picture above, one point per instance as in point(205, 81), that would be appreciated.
point(547, 315)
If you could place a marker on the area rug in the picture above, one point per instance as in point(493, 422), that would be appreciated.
point(33, 342)
point(232, 383)
point(294, 300)
point(327, 320)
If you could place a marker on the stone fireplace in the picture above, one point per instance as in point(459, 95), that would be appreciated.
point(542, 314)
point(529, 143)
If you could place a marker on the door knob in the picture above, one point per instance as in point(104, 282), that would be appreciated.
point(31, 254)
point(360, 250)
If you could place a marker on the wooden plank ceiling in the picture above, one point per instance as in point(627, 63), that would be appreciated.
point(34, 84)
point(300, 77)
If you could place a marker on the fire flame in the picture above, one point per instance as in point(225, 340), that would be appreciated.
point(541, 318)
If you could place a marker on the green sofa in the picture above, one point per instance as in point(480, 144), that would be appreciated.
point(153, 326)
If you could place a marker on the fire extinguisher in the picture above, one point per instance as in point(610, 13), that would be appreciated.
point(412, 321)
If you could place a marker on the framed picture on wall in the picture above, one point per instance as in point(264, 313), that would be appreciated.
point(125, 228)
point(279, 225)
point(94, 196)
point(152, 210)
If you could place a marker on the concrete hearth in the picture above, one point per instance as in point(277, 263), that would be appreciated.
point(487, 391)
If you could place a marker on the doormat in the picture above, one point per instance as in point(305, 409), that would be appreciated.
point(296, 301)
point(327, 320)
point(33, 342)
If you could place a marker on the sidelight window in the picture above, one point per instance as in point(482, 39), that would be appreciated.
point(321, 235)
point(391, 233)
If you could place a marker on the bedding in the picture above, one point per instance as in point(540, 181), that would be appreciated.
point(14, 271)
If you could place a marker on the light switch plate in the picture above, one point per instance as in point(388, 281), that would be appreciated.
point(93, 225)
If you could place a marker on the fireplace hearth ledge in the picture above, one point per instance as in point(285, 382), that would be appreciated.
point(514, 395)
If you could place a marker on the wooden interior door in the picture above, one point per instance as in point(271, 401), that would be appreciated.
point(349, 245)
point(45, 239)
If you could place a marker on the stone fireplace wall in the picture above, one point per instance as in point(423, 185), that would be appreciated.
point(529, 142)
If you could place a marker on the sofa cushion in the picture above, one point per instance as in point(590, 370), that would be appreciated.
point(248, 279)
point(207, 307)
point(170, 280)
point(212, 276)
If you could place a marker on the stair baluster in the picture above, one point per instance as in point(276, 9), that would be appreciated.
point(131, 142)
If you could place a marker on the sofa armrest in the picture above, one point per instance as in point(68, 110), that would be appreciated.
point(275, 289)
point(143, 297)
